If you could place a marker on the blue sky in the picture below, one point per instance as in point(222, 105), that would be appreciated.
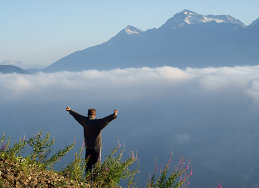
point(37, 33)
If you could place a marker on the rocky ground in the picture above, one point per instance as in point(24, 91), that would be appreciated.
point(13, 174)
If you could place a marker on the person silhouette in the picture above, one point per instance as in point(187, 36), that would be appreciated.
point(92, 134)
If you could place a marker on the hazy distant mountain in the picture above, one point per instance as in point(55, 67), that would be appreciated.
point(255, 24)
point(186, 39)
point(4, 69)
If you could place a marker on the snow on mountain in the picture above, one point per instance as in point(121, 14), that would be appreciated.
point(131, 30)
point(224, 19)
point(128, 33)
point(189, 17)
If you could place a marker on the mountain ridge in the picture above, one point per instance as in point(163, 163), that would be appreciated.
point(5, 69)
point(186, 39)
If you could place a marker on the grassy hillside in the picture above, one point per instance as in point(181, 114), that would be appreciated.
point(36, 168)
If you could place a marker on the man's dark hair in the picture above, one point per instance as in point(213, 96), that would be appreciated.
point(91, 112)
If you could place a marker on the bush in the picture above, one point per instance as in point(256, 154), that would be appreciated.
point(41, 149)
point(113, 170)
point(179, 177)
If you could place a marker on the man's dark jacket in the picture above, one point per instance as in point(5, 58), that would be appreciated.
point(92, 129)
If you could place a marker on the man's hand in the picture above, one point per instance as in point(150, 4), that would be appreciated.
point(115, 112)
point(68, 109)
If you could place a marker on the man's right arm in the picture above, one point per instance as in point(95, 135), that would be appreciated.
point(78, 117)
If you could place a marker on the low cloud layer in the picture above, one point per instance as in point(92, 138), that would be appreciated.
point(208, 114)
point(131, 82)
point(120, 80)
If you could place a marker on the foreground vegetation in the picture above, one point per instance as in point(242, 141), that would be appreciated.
point(35, 167)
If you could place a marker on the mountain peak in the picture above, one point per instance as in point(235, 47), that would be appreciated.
point(128, 32)
point(187, 12)
point(131, 30)
point(187, 17)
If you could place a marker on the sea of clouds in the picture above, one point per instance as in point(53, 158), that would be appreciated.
point(209, 115)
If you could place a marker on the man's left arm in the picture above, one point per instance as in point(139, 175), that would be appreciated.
point(106, 120)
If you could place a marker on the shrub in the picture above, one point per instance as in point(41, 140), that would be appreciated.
point(113, 170)
point(41, 149)
point(179, 177)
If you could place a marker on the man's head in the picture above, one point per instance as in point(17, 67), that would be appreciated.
point(91, 112)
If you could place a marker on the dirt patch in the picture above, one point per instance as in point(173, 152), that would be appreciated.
point(12, 174)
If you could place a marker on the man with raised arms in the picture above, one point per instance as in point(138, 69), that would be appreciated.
point(92, 133)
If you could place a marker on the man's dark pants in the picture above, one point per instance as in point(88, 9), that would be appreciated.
point(93, 156)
